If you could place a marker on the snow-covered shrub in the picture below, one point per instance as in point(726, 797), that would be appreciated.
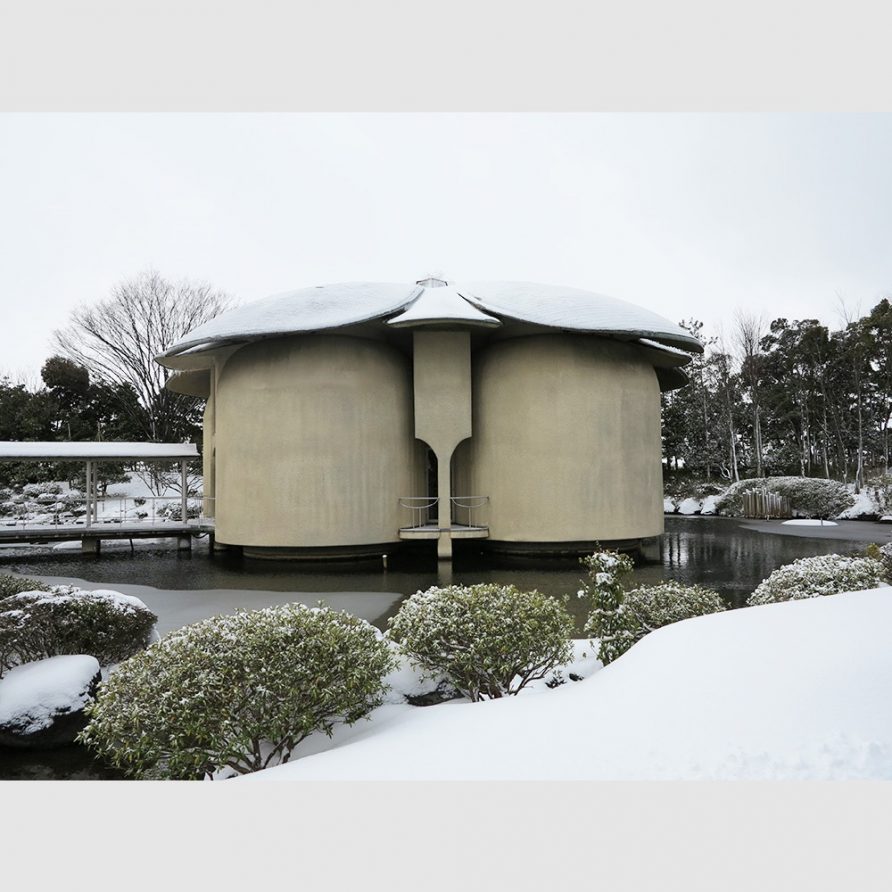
point(649, 607)
point(36, 624)
point(815, 576)
point(489, 640)
point(885, 558)
point(12, 585)
point(238, 692)
point(35, 490)
point(809, 496)
point(174, 510)
point(607, 621)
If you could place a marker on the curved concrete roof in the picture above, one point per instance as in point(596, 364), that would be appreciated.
point(334, 306)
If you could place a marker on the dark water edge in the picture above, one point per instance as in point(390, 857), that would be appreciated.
point(716, 552)
point(72, 762)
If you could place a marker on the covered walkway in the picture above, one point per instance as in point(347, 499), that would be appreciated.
point(92, 530)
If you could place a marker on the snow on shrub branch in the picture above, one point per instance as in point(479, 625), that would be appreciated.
point(827, 574)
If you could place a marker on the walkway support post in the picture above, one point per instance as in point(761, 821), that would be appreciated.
point(88, 482)
point(183, 493)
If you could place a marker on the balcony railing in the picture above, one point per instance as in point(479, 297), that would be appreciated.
point(424, 510)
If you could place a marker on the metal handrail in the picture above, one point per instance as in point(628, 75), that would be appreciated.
point(420, 507)
point(469, 504)
point(119, 516)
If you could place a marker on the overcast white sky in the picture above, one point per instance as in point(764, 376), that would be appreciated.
point(690, 215)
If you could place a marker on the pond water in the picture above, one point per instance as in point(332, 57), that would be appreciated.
point(722, 553)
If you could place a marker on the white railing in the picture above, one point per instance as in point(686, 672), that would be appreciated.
point(421, 506)
point(424, 509)
point(468, 504)
point(151, 511)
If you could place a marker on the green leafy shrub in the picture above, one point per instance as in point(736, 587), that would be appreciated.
point(810, 496)
point(885, 558)
point(604, 591)
point(488, 640)
point(812, 577)
point(36, 624)
point(238, 692)
point(619, 618)
point(12, 585)
point(650, 607)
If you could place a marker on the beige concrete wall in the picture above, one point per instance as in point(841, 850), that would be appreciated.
point(567, 440)
point(442, 386)
point(314, 443)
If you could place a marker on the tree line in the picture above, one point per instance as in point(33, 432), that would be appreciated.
point(789, 398)
point(102, 381)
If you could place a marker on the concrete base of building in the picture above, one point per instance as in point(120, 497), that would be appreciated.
point(645, 548)
point(322, 554)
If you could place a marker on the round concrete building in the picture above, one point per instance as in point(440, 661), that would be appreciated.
point(346, 419)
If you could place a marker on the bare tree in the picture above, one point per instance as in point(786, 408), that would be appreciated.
point(118, 339)
point(748, 330)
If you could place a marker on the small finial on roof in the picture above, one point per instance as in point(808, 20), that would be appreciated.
point(432, 282)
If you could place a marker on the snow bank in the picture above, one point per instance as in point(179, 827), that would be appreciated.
point(33, 695)
point(795, 690)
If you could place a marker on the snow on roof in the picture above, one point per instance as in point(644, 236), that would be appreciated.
point(333, 306)
point(309, 309)
point(90, 450)
point(655, 345)
point(441, 304)
point(575, 310)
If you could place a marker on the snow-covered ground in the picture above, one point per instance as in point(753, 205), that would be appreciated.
point(797, 690)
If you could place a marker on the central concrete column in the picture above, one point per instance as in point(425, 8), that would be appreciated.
point(442, 381)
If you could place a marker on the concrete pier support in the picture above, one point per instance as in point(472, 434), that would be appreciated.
point(651, 549)
point(184, 543)
point(90, 545)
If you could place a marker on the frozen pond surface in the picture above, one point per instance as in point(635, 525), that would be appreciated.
point(729, 555)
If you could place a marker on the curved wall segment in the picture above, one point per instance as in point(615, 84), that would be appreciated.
point(567, 441)
point(314, 444)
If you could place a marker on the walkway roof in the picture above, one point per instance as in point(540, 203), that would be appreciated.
point(35, 450)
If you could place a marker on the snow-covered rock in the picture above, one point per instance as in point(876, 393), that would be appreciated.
point(796, 690)
point(865, 505)
point(689, 506)
point(710, 505)
point(669, 506)
point(42, 703)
